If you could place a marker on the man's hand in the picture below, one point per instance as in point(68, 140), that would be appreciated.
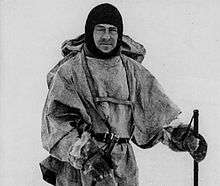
point(196, 146)
point(182, 138)
point(97, 167)
point(87, 156)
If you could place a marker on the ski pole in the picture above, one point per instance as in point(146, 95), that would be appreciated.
point(196, 129)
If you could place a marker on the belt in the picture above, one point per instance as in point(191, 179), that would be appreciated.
point(108, 137)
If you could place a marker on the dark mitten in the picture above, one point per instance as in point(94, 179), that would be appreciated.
point(97, 167)
point(92, 160)
point(198, 151)
point(81, 150)
point(185, 139)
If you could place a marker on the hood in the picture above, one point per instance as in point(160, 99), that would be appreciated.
point(129, 47)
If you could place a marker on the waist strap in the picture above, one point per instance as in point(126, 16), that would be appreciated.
point(107, 138)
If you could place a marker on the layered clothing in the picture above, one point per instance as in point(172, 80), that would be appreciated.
point(126, 95)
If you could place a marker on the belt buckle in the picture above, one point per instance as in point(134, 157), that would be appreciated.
point(117, 138)
point(114, 137)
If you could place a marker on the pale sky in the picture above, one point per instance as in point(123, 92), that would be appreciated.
point(182, 40)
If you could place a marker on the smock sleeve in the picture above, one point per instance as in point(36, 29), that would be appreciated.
point(63, 116)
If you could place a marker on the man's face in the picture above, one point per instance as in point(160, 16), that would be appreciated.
point(105, 37)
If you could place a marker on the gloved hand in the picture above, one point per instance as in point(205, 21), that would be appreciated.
point(88, 157)
point(196, 145)
point(185, 139)
point(97, 167)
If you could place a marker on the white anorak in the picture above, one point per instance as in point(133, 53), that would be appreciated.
point(127, 94)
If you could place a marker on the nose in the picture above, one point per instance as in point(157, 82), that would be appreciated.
point(106, 35)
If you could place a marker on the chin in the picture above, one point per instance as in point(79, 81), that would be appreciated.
point(105, 50)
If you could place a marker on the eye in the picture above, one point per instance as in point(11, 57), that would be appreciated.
point(113, 30)
point(99, 29)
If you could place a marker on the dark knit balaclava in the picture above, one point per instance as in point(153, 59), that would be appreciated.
point(103, 14)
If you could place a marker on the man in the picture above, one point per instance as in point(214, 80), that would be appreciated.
point(100, 98)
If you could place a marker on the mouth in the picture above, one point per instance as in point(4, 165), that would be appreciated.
point(105, 44)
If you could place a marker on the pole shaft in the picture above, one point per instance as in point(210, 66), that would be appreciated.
point(196, 129)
